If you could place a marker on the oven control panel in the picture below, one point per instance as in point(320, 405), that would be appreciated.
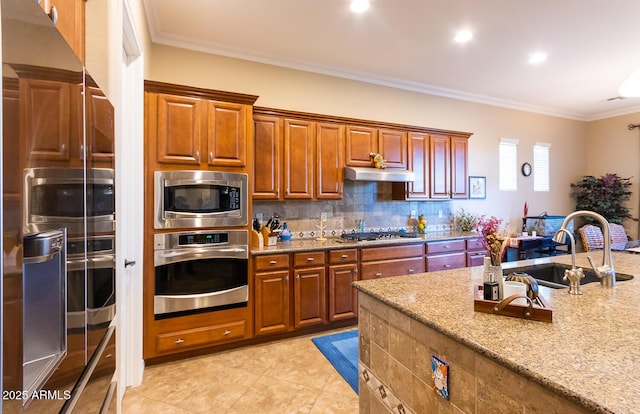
point(203, 238)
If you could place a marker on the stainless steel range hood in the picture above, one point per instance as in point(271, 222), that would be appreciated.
point(377, 174)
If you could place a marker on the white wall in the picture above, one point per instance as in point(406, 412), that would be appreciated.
point(302, 91)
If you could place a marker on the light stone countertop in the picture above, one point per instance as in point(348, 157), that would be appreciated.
point(590, 353)
point(332, 243)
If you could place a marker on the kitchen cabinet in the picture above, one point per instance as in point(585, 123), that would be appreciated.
point(448, 167)
point(361, 141)
point(267, 143)
point(476, 251)
point(11, 169)
point(310, 296)
point(343, 271)
point(418, 162)
point(445, 255)
point(99, 129)
point(299, 143)
point(69, 20)
point(379, 262)
point(330, 139)
point(272, 294)
point(197, 128)
point(392, 144)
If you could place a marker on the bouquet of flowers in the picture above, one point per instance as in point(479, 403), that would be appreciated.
point(488, 227)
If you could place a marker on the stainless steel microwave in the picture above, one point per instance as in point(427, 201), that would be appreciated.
point(65, 197)
point(196, 198)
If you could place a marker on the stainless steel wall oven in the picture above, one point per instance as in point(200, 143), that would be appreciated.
point(196, 198)
point(198, 271)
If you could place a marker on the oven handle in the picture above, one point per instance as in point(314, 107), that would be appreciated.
point(202, 295)
point(163, 257)
point(96, 262)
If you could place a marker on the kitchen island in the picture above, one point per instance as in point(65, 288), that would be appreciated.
point(587, 360)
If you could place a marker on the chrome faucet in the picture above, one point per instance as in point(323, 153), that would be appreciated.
point(605, 272)
point(575, 274)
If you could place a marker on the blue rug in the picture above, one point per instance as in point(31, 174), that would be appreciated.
point(341, 350)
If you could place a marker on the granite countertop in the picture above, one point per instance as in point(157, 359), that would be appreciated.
point(590, 353)
point(331, 243)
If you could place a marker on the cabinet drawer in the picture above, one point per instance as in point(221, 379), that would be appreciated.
point(446, 261)
point(475, 244)
point(174, 341)
point(476, 258)
point(308, 259)
point(343, 256)
point(446, 246)
point(273, 261)
point(392, 252)
point(388, 268)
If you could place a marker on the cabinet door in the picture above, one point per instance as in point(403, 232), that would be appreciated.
point(330, 161)
point(459, 175)
point(361, 141)
point(392, 144)
point(419, 164)
point(267, 140)
point(99, 129)
point(45, 119)
point(440, 166)
point(272, 302)
point(70, 22)
point(310, 297)
point(11, 169)
point(179, 129)
point(299, 143)
point(342, 297)
point(227, 134)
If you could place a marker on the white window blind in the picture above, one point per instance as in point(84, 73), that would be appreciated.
point(508, 160)
point(541, 166)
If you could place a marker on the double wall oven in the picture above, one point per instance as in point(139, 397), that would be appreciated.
point(204, 266)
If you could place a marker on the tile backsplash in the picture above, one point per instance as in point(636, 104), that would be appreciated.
point(370, 201)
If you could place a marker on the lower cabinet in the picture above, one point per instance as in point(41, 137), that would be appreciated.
point(378, 262)
point(476, 252)
point(446, 255)
point(272, 294)
point(343, 271)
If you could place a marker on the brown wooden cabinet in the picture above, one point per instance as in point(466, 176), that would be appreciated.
point(12, 168)
point(267, 141)
point(272, 294)
point(379, 262)
point(476, 252)
point(440, 166)
point(418, 162)
point(227, 134)
point(329, 160)
point(100, 139)
point(343, 271)
point(459, 162)
point(70, 21)
point(445, 255)
point(310, 293)
point(361, 141)
point(299, 150)
point(392, 144)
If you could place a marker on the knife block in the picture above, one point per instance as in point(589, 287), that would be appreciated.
point(256, 239)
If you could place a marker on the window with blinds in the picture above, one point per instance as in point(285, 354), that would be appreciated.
point(508, 165)
point(541, 166)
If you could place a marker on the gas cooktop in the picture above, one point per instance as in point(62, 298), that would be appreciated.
point(379, 235)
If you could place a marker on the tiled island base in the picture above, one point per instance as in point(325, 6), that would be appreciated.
point(395, 374)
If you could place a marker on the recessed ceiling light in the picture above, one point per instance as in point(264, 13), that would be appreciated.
point(359, 6)
point(630, 88)
point(537, 57)
point(463, 36)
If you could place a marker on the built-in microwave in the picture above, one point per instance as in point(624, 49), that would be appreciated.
point(196, 198)
point(63, 197)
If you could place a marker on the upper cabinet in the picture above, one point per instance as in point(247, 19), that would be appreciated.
point(267, 144)
point(69, 18)
point(392, 144)
point(197, 128)
point(299, 162)
point(100, 140)
point(362, 141)
point(330, 139)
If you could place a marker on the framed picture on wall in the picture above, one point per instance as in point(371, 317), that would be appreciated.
point(477, 187)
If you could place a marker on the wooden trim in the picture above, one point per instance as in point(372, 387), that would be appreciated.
point(211, 94)
point(46, 73)
point(360, 122)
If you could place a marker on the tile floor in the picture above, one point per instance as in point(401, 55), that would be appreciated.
point(288, 376)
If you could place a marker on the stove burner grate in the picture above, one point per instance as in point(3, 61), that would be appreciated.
point(379, 235)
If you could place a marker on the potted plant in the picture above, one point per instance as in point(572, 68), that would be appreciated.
point(605, 195)
point(466, 220)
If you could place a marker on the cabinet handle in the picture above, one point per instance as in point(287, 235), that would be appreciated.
point(298, 277)
point(411, 270)
point(378, 274)
point(310, 259)
point(197, 155)
point(63, 148)
point(447, 265)
point(446, 246)
point(344, 256)
point(179, 341)
point(210, 156)
point(286, 279)
point(272, 262)
point(226, 332)
point(82, 152)
point(53, 15)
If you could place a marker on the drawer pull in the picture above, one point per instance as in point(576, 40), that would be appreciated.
point(310, 259)
point(210, 156)
point(411, 270)
point(446, 246)
point(344, 256)
point(447, 265)
point(179, 341)
point(226, 332)
point(273, 262)
point(378, 274)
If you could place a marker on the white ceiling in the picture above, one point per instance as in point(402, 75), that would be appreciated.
point(592, 45)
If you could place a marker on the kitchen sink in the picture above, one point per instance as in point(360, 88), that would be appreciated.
point(551, 275)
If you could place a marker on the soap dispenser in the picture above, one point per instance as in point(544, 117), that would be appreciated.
point(285, 234)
